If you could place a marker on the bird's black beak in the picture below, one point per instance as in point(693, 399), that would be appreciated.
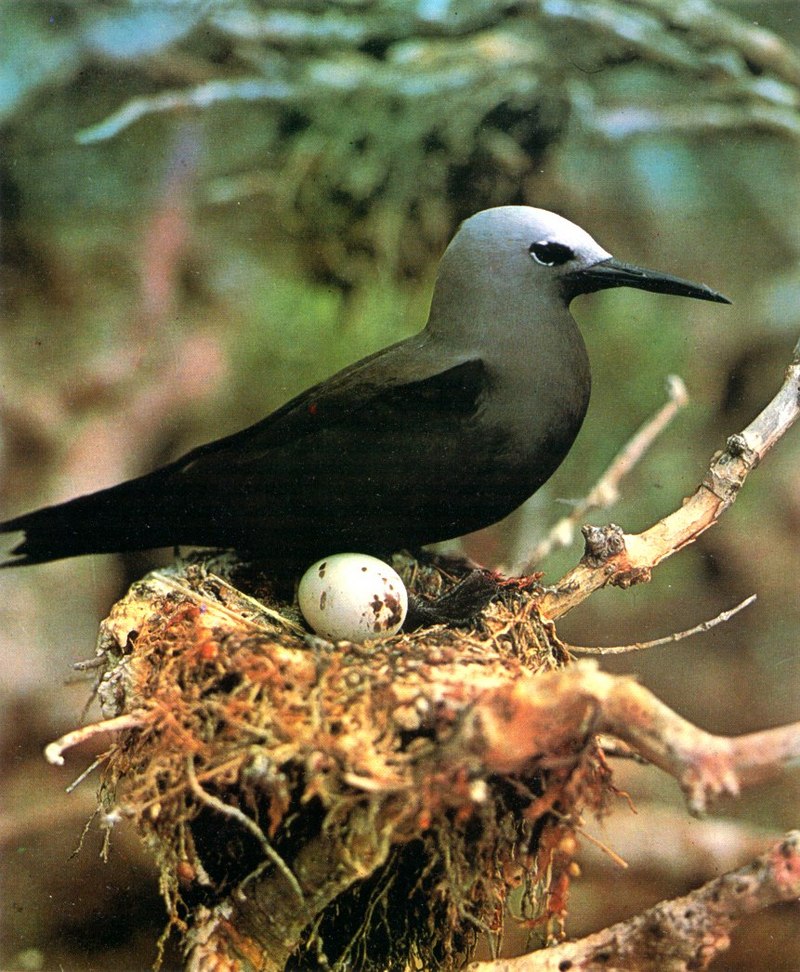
point(614, 273)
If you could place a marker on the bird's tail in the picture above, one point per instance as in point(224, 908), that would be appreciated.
point(122, 517)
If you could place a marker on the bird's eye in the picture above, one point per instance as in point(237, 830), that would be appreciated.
point(550, 254)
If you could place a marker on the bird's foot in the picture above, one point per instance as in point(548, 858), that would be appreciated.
point(457, 606)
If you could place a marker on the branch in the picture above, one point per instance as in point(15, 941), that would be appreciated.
point(712, 24)
point(203, 96)
point(669, 639)
point(613, 124)
point(551, 712)
point(679, 935)
point(495, 43)
point(606, 490)
point(613, 557)
point(54, 751)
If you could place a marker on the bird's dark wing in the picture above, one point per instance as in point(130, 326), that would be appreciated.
point(383, 389)
point(402, 449)
point(364, 461)
point(348, 464)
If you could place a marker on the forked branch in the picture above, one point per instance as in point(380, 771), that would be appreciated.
point(553, 712)
point(621, 559)
point(605, 491)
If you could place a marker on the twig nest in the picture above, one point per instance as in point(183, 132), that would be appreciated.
point(353, 597)
point(308, 799)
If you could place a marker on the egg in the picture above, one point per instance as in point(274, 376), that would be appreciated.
point(352, 597)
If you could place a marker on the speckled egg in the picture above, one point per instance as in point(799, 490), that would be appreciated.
point(352, 597)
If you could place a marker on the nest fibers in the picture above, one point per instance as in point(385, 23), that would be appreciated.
point(316, 805)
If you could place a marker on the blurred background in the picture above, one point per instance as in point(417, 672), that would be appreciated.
point(208, 205)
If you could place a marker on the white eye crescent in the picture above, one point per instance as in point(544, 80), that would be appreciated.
point(550, 254)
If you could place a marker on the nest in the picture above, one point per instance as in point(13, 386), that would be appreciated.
point(321, 805)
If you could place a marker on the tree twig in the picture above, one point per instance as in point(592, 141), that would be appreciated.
point(678, 935)
point(606, 490)
point(54, 751)
point(620, 559)
point(667, 639)
point(555, 711)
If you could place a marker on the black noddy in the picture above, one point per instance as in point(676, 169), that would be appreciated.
point(438, 435)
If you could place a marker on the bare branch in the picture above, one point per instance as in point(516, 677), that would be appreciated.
point(625, 559)
point(203, 96)
point(616, 125)
point(667, 639)
point(54, 751)
point(606, 490)
point(678, 935)
point(551, 712)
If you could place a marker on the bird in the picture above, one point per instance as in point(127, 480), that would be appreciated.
point(438, 435)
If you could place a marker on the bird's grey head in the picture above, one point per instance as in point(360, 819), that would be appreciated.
point(525, 256)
